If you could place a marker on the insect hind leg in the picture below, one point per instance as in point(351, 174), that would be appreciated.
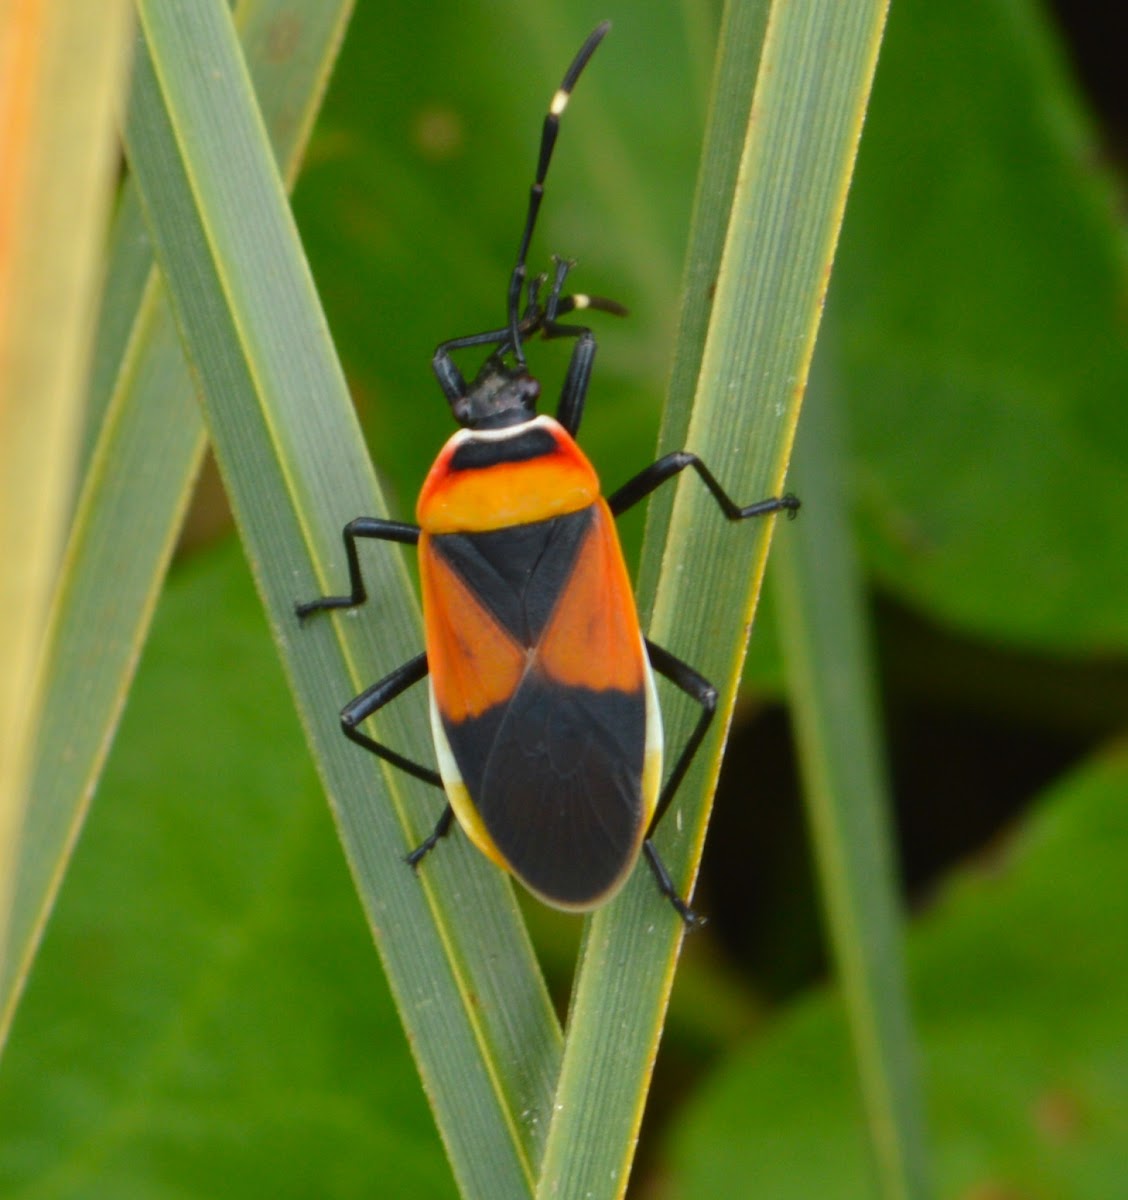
point(370, 701)
point(668, 888)
point(698, 688)
point(442, 828)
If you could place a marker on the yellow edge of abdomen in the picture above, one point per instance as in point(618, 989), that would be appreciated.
point(652, 764)
point(457, 794)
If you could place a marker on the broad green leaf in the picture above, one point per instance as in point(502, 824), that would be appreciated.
point(206, 1017)
point(981, 284)
point(455, 951)
point(1019, 979)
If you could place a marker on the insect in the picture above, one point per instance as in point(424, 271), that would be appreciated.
point(543, 703)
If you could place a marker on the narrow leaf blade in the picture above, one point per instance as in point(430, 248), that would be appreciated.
point(145, 440)
point(829, 667)
point(60, 84)
point(286, 439)
point(795, 138)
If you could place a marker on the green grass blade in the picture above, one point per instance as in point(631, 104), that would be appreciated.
point(453, 946)
point(147, 439)
point(830, 668)
point(738, 57)
point(60, 86)
point(129, 263)
point(795, 137)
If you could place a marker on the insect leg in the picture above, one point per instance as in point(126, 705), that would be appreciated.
point(447, 373)
point(442, 828)
point(668, 889)
point(559, 305)
point(371, 700)
point(669, 465)
point(698, 688)
point(570, 409)
point(360, 527)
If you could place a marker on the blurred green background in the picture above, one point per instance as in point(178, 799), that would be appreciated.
point(207, 1017)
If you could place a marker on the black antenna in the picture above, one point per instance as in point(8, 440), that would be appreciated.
point(536, 192)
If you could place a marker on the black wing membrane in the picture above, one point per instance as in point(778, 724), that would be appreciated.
point(556, 775)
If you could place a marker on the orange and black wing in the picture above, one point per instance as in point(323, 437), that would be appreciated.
point(544, 712)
